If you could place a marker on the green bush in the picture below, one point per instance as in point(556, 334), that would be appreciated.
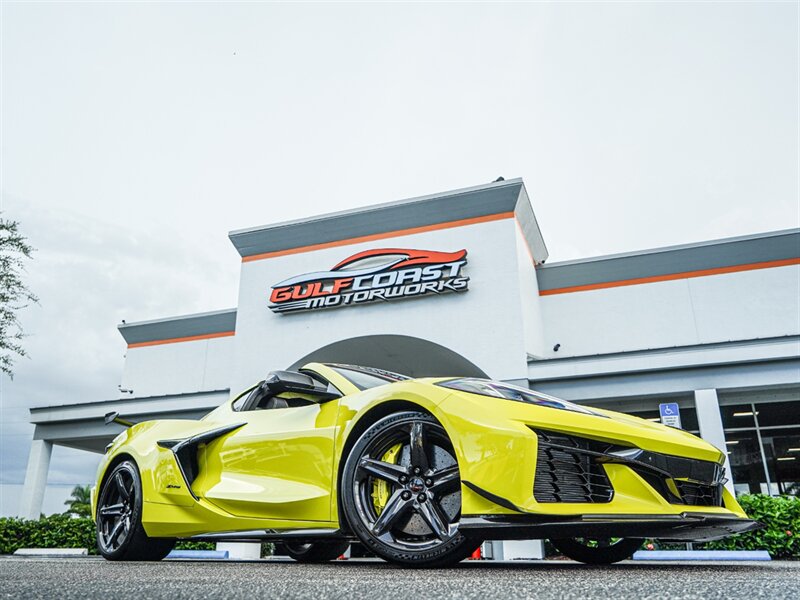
point(55, 531)
point(189, 545)
point(780, 536)
point(780, 516)
point(62, 531)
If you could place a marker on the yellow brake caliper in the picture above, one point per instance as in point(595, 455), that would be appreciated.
point(380, 488)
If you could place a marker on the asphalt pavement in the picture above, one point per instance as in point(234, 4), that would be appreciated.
point(275, 579)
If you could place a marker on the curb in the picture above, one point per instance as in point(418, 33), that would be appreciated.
point(199, 554)
point(701, 555)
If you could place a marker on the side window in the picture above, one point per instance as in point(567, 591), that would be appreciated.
point(329, 387)
point(260, 398)
point(242, 401)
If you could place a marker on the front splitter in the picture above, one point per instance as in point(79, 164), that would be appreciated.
point(687, 527)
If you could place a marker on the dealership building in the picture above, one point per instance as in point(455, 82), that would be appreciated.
point(703, 335)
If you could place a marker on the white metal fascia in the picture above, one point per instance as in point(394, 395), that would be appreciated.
point(660, 360)
point(128, 407)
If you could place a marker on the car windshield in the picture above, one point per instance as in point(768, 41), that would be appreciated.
point(365, 378)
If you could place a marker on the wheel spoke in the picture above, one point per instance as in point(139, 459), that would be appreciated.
point(445, 480)
point(419, 457)
point(123, 491)
point(112, 511)
point(434, 519)
point(394, 508)
point(116, 531)
point(383, 470)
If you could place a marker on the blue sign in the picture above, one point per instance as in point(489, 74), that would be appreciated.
point(670, 414)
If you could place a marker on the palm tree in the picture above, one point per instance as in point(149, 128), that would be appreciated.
point(80, 502)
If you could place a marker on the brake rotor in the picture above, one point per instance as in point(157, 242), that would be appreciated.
point(400, 454)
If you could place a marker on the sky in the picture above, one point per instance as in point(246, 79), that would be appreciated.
point(134, 136)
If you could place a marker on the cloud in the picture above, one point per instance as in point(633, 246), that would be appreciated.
point(89, 275)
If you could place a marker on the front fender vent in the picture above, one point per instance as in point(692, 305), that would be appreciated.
point(567, 470)
point(185, 451)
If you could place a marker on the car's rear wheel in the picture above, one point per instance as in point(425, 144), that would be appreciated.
point(316, 551)
point(401, 492)
point(120, 535)
point(598, 551)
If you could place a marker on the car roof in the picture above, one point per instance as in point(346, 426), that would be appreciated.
point(370, 371)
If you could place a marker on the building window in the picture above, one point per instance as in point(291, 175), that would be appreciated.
point(762, 439)
point(764, 446)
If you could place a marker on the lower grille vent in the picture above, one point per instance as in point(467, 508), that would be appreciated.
point(699, 494)
point(565, 472)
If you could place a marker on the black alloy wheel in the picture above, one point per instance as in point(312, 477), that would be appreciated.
point(317, 551)
point(120, 535)
point(603, 551)
point(401, 492)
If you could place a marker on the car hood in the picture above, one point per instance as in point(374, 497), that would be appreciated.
point(594, 423)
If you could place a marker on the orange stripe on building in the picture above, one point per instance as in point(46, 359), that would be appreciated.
point(673, 276)
point(191, 338)
point(381, 236)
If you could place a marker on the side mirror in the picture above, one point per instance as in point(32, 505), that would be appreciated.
point(113, 417)
point(279, 382)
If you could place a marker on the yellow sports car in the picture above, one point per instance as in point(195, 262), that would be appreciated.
point(420, 471)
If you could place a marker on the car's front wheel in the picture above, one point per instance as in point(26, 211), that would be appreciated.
point(120, 535)
point(598, 552)
point(401, 492)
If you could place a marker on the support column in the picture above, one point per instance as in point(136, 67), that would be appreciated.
point(709, 419)
point(522, 549)
point(241, 550)
point(30, 505)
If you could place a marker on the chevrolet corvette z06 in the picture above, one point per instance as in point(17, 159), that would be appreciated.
point(420, 471)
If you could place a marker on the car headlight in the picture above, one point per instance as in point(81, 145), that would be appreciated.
point(506, 391)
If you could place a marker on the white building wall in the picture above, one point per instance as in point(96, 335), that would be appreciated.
point(481, 324)
point(532, 325)
point(747, 305)
point(717, 308)
point(179, 368)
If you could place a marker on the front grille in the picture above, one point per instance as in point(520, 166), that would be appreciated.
point(566, 471)
point(689, 481)
point(699, 494)
point(570, 469)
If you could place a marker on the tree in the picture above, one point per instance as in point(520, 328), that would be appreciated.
point(80, 503)
point(14, 294)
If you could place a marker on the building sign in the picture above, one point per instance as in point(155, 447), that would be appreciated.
point(670, 414)
point(384, 274)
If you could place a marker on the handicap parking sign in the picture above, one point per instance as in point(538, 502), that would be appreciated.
point(670, 414)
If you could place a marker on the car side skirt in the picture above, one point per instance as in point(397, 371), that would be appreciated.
point(273, 534)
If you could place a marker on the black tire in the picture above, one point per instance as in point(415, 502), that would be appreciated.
point(417, 526)
point(315, 551)
point(598, 552)
point(120, 535)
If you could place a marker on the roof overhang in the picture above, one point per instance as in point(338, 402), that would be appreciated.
point(458, 207)
point(183, 328)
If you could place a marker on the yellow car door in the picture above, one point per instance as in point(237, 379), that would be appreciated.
point(279, 464)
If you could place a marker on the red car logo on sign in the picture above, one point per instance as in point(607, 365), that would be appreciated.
point(381, 274)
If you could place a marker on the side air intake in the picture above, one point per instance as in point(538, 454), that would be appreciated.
point(185, 451)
